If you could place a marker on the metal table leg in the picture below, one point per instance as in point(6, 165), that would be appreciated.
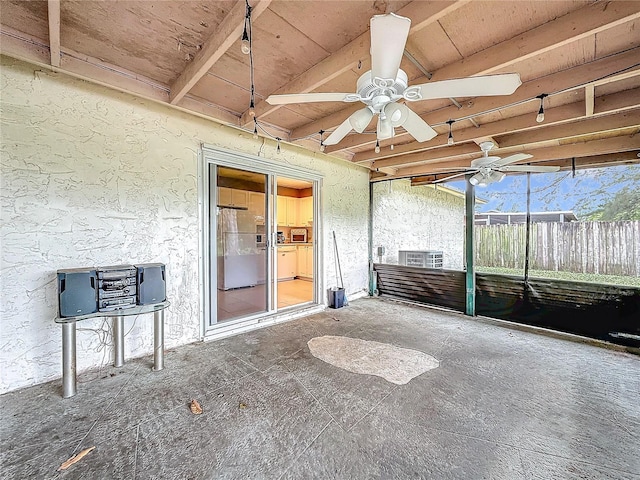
point(118, 341)
point(158, 340)
point(68, 359)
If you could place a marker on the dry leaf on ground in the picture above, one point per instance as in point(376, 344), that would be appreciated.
point(195, 407)
point(75, 458)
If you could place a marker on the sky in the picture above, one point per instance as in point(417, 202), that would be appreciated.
point(555, 191)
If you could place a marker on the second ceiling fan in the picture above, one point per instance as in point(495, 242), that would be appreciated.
point(381, 87)
point(491, 169)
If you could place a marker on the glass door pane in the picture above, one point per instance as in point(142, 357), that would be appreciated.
point(295, 242)
point(239, 205)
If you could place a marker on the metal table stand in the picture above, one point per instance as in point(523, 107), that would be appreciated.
point(117, 319)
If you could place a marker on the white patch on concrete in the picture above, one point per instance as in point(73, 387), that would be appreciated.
point(394, 364)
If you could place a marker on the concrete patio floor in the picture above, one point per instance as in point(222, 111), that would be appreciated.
point(503, 404)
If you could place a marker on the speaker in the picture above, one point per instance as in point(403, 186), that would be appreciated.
point(152, 286)
point(77, 292)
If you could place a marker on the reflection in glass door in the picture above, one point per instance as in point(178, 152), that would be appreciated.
point(240, 239)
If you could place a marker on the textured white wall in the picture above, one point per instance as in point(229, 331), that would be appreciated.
point(417, 218)
point(94, 177)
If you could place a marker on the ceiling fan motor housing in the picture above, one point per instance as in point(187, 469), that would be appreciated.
point(378, 92)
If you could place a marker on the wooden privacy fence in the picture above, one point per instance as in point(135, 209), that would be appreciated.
point(606, 248)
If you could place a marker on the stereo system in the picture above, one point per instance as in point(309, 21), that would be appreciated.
point(83, 291)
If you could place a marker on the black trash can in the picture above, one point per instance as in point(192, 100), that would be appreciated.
point(336, 297)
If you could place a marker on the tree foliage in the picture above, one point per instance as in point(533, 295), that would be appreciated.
point(625, 205)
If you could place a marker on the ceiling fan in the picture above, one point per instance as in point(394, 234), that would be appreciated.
point(490, 169)
point(381, 87)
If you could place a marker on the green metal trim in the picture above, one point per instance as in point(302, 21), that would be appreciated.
point(469, 247)
point(372, 287)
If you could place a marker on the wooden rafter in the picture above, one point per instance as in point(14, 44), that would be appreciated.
point(599, 76)
point(53, 13)
point(554, 34)
point(227, 34)
point(23, 47)
point(592, 161)
point(607, 104)
point(578, 149)
point(561, 81)
point(589, 99)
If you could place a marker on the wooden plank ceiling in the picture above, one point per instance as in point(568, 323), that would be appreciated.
point(583, 54)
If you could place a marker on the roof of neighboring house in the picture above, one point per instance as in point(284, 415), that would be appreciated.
point(494, 218)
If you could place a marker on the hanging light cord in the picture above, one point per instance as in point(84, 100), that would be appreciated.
point(253, 88)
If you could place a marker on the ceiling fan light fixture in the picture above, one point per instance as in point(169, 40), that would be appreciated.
point(360, 119)
point(496, 176)
point(396, 113)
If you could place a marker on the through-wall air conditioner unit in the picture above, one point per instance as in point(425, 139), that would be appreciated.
point(421, 258)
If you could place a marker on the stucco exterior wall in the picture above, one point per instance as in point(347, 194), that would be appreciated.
point(94, 177)
point(417, 218)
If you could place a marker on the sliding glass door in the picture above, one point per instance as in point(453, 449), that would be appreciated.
point(240, 264)
point(260, 250)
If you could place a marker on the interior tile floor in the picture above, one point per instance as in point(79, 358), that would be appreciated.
point(503, 404)
point(241, 302)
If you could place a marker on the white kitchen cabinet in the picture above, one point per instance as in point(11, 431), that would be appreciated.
point(287, 262)
point(257, 206)
point(306, 211)
point(305, 261)
point(292, 212)
point(287, 211)
point(281, 206)
point(232, 197)
point(239, 198)
point(224, 196)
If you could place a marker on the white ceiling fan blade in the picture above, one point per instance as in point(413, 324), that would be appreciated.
point(289, 98)
point(385, 129)
point(416, 126)
point(516, 157)
point(339, 133)
point(388, 37)
point(449, 177)
point(529, 168)
point(480, 86)
point(449, 169)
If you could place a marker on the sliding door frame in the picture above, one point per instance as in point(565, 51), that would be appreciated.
point(210, 155)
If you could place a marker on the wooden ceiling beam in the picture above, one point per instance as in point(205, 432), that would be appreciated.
point(53, 13)
point(594, 161)
point(565, 80)
point(585, 126)
point(422, 14)
point(428, 155)
point(227, 33)
point(18, 45)
point(589, 99)
point(612, 145)
point(603, 105)
point(569, 28)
